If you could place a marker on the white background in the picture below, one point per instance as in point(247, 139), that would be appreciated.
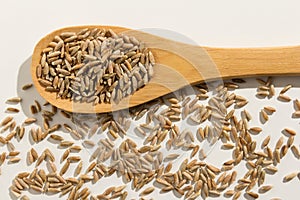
point(230, 23)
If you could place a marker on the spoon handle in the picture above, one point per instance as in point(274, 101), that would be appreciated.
point(245, 62)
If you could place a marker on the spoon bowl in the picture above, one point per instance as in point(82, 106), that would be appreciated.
point(178, 65)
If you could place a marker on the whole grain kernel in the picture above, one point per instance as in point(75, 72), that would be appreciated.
point(296, 114)
point(290, 141)
point(269, 109)
point(279, 143)
point(266, 141)
point(289, 177)
point(66, 143)
point(12, 110)
point(49, 154)
point(295, 151)
point(13, 153)
point(27, 86)
point(255, 130)
point(264, 115)
point(14, 160)
point(285, 89)
point(285, 98)
point(78, 168)
point(229, 193)
point(75, 148)
point(2, 157)
point(265, 188)
point(271, 169)
point(263, 93)
point(30, 121)
point(263, 87)
point(228, 146)
point(290, 131)
point(74, 159)
point(297, 104)
point(6, 120)
point(253, 194)
point(14, 100)
point(33, 109)
point(195, 150)
point(3, 140)
point(147, 191)
point(272, 90)
point(171, 157)
point(236, 195)
point(56, 137)
point(283, 150)
point(64, 168)
point(214, 193)
point(277, 155)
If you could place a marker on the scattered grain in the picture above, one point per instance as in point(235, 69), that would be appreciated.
point(265, 188)
point(264, 115)
point(295, 151)
point(284, 98)
point(266, 141)
point(285, 89)
point(14, 160)
point(290, 131)
point(289, 177)
point(12, 110)
point(27, 86)
point(6, 120)
point(30, 121)
point(269, 109)
point(14, 100)
point(171, 157)
point(147, 191)
point(252, 194)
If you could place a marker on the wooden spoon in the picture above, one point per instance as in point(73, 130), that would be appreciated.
point(179, 65)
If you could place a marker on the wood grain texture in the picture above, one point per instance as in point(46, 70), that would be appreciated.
point(179, 65)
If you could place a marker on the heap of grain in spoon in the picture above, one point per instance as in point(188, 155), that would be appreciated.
point(94, 66)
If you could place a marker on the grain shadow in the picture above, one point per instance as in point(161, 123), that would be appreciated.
point(29, 96)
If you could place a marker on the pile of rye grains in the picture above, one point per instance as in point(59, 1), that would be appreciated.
point(94, 66)
point(162, 149)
